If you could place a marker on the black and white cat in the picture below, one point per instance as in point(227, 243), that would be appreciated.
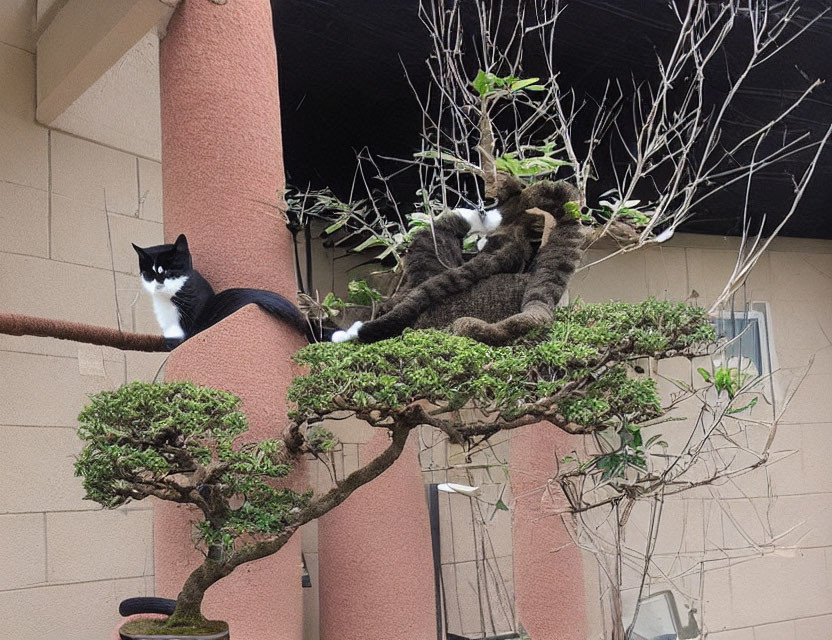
point(184, 302)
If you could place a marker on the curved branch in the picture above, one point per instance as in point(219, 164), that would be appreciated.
point(331, 499)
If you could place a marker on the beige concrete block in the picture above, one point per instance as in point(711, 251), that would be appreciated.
point(24, 152)
point(433, 450)
point(309, 537)
point(695, 525)
point(85, 171)
point(135, 304)
point(50, 482)
point(797, 326)
point(816, 443)
point(350, 430)
point(98, 545)
point(717, 604)
point(467, 593)
point(801, 276)
point(451, 599)
point(57, 290)
point(128, 296)
point(623, 278)
point(819, 357)
point(674, 527)
point(786, 469)
point(350, 455)
point(674, 375)
point(777, 631)
point(51, 347)
point(84, 611)
point(783, 587)
point(79, 233)
point(150, 190)
point(709, 270)
point(17, 77)
point(496, 530)
point(483, 591)
point(667, 273)
point(47, 390)
point(40, 346)
point(812, 401)
point(735, 634)
point(126, 230)
point(147, 367)
point(816, 628)
point(809, 517)
point(121, 108)
point(24, 220)
point(22, 551)
point(462, 524)
point(499, 580)
point(17, 21)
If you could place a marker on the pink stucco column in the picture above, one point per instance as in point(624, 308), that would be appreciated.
point(376, 567)
point(221, 161)
point(548, 573)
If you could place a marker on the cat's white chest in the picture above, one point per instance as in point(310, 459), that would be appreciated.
point(167, 313)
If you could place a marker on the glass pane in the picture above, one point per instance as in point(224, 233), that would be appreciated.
point(745, 353)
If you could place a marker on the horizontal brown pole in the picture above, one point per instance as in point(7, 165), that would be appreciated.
point(16, 325)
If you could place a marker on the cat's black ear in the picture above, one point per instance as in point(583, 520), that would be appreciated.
point(140, 251)
point(181, 243)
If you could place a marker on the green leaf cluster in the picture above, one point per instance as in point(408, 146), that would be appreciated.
point(147, 439)
point(486, 84)
point(512, 163)
point(586, 347)
point(728, 379)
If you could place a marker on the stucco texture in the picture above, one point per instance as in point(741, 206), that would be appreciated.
point(376, 570)
point(221, 167)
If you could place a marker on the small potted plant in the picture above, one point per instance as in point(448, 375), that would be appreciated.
point(176, 441)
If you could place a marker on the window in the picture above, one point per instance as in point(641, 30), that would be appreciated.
point(748, 347)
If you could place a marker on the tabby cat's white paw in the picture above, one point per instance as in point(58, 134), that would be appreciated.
point(349, 334)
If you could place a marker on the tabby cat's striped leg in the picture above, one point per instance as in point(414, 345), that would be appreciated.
point(504, 331)
point(554, 266)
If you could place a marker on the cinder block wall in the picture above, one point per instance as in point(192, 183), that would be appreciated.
point(64, 203)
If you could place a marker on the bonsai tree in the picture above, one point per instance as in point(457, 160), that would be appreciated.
point(179, 442)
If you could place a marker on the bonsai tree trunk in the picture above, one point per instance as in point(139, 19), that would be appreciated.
point(188, 609)
point(189, 602)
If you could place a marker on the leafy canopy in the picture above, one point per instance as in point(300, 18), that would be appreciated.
point(585, 348)
point(177, 441)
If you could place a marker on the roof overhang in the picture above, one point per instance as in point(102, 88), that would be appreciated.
point(81, 39)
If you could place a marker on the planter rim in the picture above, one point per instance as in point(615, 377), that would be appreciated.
point(219, 635)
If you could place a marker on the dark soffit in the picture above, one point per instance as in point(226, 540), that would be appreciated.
point(343, 87)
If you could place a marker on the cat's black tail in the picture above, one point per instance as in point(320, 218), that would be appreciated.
point(227, 302)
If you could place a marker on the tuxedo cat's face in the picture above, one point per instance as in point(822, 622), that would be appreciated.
point(165, 267)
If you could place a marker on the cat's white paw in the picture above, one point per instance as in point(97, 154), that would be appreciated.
point(480, 222)
point(348, 335)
